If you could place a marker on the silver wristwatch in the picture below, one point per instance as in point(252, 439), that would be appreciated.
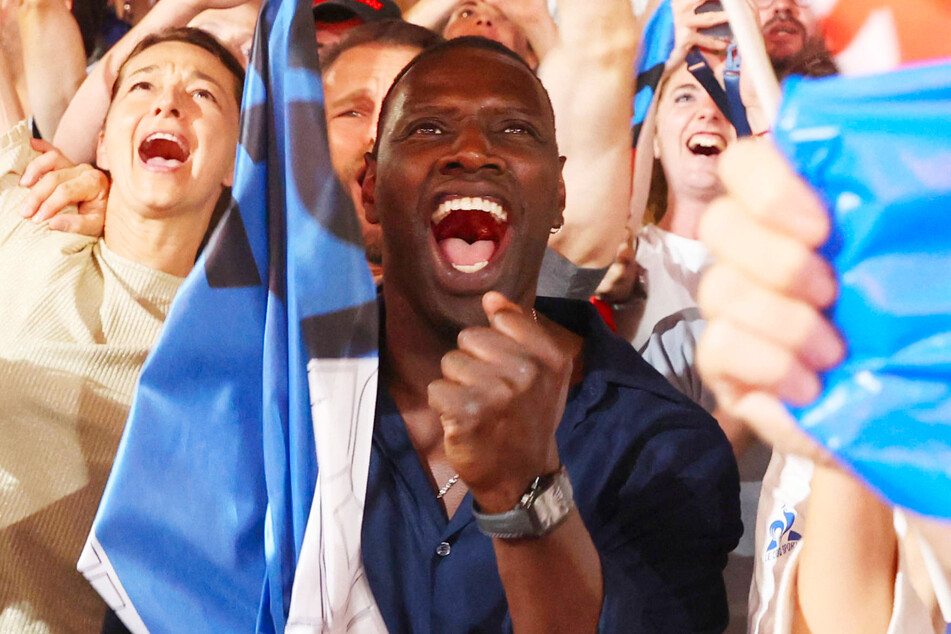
point(543, 507)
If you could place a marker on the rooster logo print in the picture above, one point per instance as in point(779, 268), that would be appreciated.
point(782, 538)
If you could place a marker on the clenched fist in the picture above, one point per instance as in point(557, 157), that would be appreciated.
point(500, 400)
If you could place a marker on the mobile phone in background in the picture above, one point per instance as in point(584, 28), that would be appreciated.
point(721, 31)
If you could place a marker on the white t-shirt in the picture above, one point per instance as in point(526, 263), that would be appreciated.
point(666, 336)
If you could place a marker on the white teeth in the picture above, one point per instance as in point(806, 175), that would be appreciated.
point(469, 203)
point(470, 268)
point(707, 140)
point(164, 135)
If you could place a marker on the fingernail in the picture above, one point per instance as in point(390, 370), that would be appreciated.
point(813, 226)
point(831, 352)
point(26, 211)
point(804, 388)
point(825, 289)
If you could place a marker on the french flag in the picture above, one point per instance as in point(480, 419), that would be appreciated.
point(266, 369)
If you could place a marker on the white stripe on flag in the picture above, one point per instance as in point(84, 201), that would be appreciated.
point(331, 594)
point(96, 567)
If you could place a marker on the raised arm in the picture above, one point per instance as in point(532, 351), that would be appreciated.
point(49, 32)
point(78, 129)
point(531, 16)
point(56, 185)
point(588, 76)
point(846, 576)
point(429, 13)
point(11, 110)
point(534, 19)
point(500, 400)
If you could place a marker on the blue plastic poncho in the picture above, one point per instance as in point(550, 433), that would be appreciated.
point(878, 148)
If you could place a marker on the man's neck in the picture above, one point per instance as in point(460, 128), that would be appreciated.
point(414, 350)
point(168, 244)
point(410, 361)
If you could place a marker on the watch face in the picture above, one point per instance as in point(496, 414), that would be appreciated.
point(552, 504)
point(544, 506)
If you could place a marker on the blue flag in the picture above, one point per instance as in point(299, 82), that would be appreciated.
point(657, 43)
point(878, 148)
point(203, 519)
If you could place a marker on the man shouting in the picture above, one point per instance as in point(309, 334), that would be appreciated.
point(529, 471)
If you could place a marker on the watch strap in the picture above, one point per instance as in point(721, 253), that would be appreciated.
point(544, 506)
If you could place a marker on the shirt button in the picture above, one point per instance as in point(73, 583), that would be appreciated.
point(443, 549)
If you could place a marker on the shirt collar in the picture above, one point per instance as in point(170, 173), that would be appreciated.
point(609, 360)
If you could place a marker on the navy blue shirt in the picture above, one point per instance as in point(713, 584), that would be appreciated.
point(654, 479)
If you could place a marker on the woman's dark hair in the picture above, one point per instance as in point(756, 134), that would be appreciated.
point(387, 33)
point(658, 190)
point(188, 35)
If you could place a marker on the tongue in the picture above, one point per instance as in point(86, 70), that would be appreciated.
point(462, 253)
point(160, 162)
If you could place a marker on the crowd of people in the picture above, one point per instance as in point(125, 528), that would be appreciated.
point(587, 347)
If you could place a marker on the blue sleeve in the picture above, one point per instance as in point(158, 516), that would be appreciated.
point(663, 525)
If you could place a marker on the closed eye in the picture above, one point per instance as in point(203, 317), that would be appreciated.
point(140, 85)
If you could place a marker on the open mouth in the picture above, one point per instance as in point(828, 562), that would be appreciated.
point(163, 151)
point(784, 28)
point(468, 231)
point(706, 144)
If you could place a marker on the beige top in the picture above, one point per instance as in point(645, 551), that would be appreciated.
point(76, 323)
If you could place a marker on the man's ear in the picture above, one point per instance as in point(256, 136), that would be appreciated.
point(228, 179)
point(562, 196)
point(102, 159)
point(368, 189)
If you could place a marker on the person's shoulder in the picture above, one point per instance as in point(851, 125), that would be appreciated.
point(616, 372)
point(15, 149)
point(23, 240)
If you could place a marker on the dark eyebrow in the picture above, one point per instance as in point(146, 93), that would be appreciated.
point(426, 109)
point(358, 94)
point(469, 4)
point(208, 78)
point(195, 74)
